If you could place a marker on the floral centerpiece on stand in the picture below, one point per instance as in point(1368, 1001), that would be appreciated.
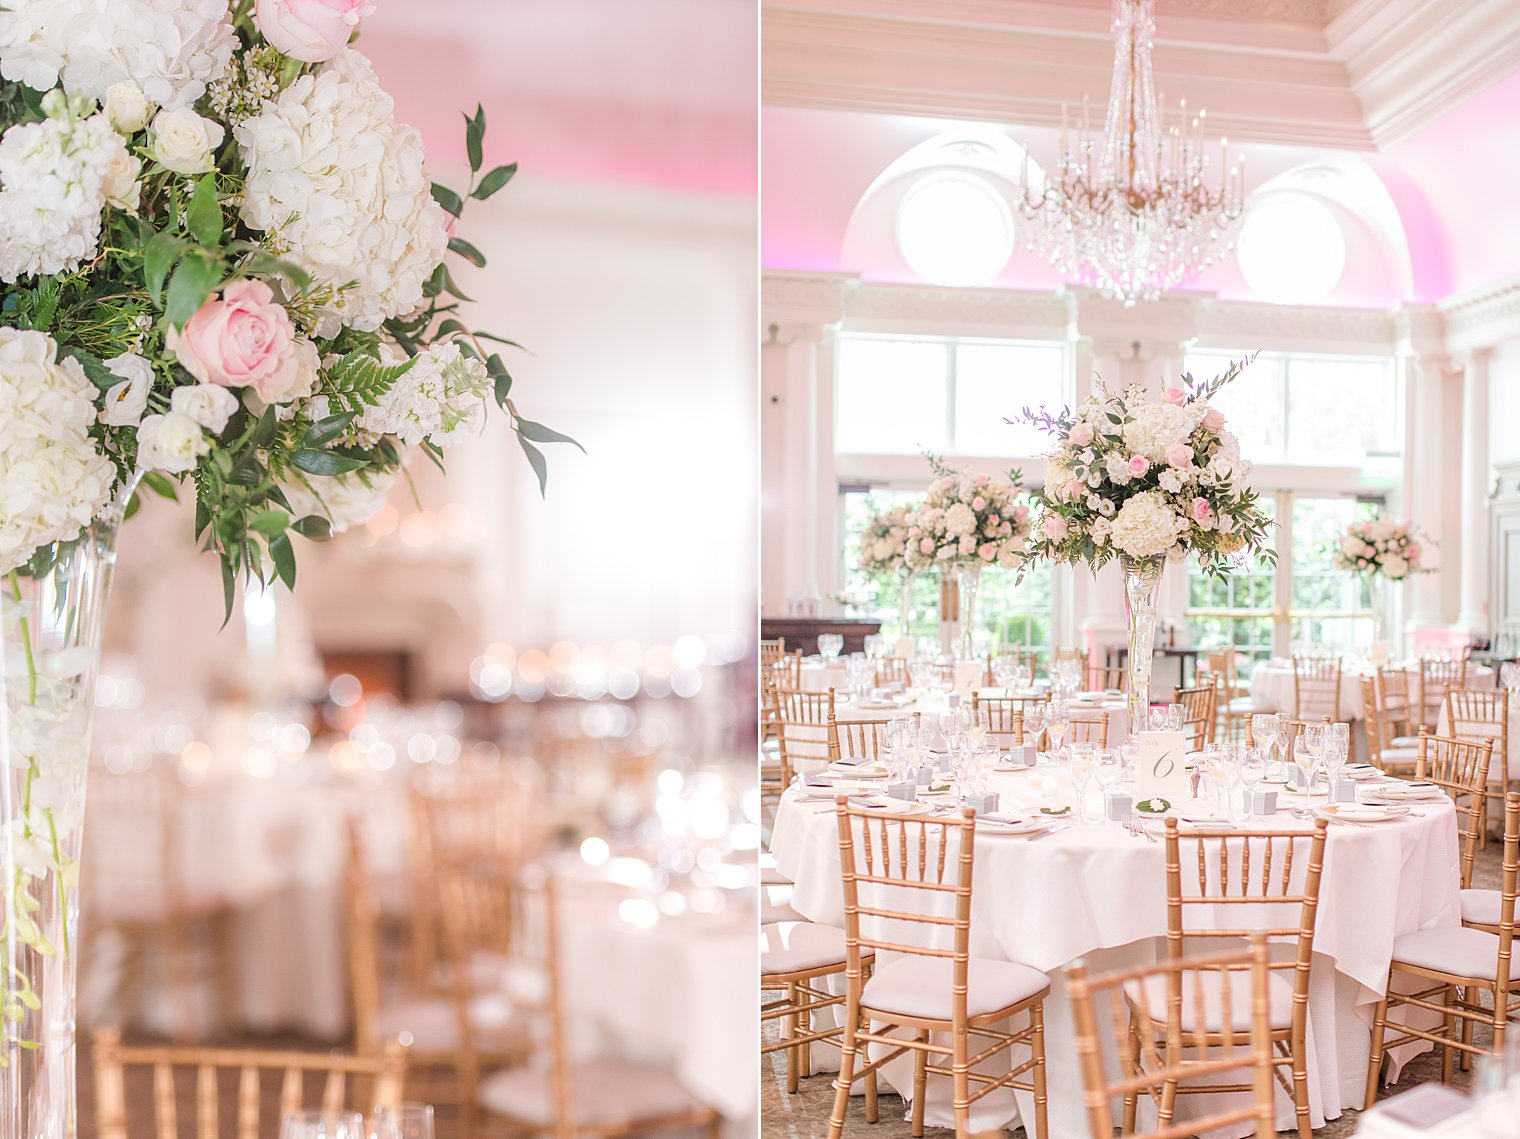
point(1147, 481)
point(1380, 551)
point(968, 523)
point(225, 269)
point(883, 551)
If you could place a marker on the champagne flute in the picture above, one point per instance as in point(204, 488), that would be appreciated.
point(1082, 759)
point(323, 1125)
point(1285, 740)
point(407, 1121)
point(1307, 751)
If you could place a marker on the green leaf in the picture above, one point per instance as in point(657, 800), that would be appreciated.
point(269, 423)
point(493, 181)
point(247, 471)
point(448, 199)
point(284, 558)
point(324, 431)
point(160, 485)
point(270, 523)
point(474, 137)
point(358, 380)
point(314, 527)
point(159, 256)
point(462, 247)
point(229, 587)
point(325, 462)
point(94, 367)
point(450, 287)
point(202, 517)
point(194, 280)
point(540, 467)
point(541, 434)
point(203, 217)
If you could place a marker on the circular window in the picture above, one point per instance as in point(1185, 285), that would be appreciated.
point(1292, 250)
point(955, 229)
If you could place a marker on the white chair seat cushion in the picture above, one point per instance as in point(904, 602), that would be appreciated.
point(1243, 705)
point(1453, 949)
point(602, 1093)
point(1410, 755)
point(431, 1024)
point(800, 946)
point(920, 987)
point(1481, 906)
point(774, 912)
point(1279, 1000)
point(1410, 742)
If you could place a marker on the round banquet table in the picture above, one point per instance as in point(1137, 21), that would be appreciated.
point(1271, 687)
point(853, 710)
point(1098, 893)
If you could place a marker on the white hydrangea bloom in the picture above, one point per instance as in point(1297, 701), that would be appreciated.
point(341, 186)
point(1156, 427)
point(439, 398)
point(1146, 526)
point(56, 177)
point(345, 501)
point(171, 49)
point(53, 480)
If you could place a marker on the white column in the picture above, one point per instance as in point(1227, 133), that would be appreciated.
point(1100, 618)
point(789, 481)
point(1473, 616)
point(1427, 467)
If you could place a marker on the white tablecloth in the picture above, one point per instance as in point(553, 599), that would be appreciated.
point(1272, 687)
point(1098, 893)
point(822, 677)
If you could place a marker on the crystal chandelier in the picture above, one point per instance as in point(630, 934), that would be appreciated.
point(1142, 217)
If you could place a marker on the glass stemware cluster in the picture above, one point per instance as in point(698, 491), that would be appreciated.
point(408, 1121)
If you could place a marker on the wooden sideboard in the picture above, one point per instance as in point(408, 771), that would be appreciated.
point(802, 632)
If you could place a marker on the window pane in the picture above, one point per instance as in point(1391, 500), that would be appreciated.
point(1252, 403)
point(891, 396)
point(1233, 611)
point(1332, 609)
point(995, 382)
point(1340, 410)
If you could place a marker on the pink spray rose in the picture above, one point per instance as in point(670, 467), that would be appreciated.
point(1180, 455)
point(1055, 527)
point(1138, 465)
point(987, 551)
point(926, 546)
point(981, 480)
point(241, 339)
point(1081, 435)
point(1174, 396)
point(1203, 513)
point(993, 519)
point(1072, 488)
point(1213, 419)
point(312, 31)
point(978, 503)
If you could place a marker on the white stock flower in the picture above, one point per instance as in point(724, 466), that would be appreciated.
point(209, 405)
point(125, 402)
point(1117, 468)
point(183, 141)
point(1146, 526)
point(345, 501)
point(171, 49)
point(1170, 481)
point(126, 107)
point(438, 398)
point(341, 186)
point(55, 179)
point(53, 480)
point(172, 442)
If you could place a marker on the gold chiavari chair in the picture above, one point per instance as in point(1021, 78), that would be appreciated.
point(1198, 705)
point(564, 1094)
point(786, 673)
point(925, 865)
point(893, 670)
point(1456, 965)
point(1107, 678)
point(1437, 678)
point(1477, 714)
point(1021, 656)
point(796, 958)
point(1400, 722)
point(857, 739)
point(802, 736)
point(1005, 715)
point(357, 1083)
point(771, 652)
point(1483, 909)
point(1460, 768)
point(1154, 996)
point(1316, 687)
point(1274, 873)
point(1372, 720)
point(1058, 655)
point(1088, 730)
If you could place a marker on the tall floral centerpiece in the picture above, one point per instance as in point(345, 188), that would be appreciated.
point(1380, 551)
point(225, 269)
point(966, 524)
point(1147, 481)
point(883, 551)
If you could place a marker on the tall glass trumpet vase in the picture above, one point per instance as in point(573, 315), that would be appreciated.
point(905, 607)
point(967, 577)
point(51, 619)
point(1142, 594)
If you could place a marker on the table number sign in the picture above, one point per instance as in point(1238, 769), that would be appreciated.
point(903, 650)
point(1162, 772)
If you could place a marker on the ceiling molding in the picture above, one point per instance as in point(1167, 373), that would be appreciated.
point(1483, 317)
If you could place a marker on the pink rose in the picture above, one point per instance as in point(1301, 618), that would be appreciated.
point(241, 339)
point(1202, 511)
point(926, 546)
point(987, 552)
point(1072, 488)
point(1055, 527)
point(1081, 435)
point(1213, 419)
point(1174, 396)
point(1138, 465)
point(978, 503)
point(981, 480)
point(312, 31)
point(993, 519)
point(1180, 455)
point(1414, 551)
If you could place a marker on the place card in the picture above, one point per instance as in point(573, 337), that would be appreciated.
point(1118, 806)
point(1023, 755)
point(968, 677)
point(1162, 772)
point(1343, 791)
point(985, 804)
point(903, 789)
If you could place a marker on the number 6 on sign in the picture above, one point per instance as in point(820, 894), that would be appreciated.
point(1163, 767)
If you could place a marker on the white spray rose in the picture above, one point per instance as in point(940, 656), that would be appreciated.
point(183, 141)
point(126, 107)
point(209, 405)
point(171, 443)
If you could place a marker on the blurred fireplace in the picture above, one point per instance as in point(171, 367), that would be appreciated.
point(390, 672)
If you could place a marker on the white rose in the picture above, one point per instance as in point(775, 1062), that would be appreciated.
point(125, 402)
point(171, 443)
point(183, 141)
point(120, 182)
point(209, 405)
point(126, 107)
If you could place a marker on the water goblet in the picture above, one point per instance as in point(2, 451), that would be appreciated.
point(829, 644)
point(1034, 724)
point(1308, 750)
point(1082, 762)
point(1057, 719)
point(322, 1125)
point(406, 1121)
point(1264, 728)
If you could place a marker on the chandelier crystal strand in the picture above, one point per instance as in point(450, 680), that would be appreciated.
point(1143, 217)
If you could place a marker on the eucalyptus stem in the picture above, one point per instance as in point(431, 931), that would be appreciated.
point(26, 643)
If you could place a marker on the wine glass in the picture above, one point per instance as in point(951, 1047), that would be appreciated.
point(830, 644)
point(1082, 761)
point(1284, 740)
point(1264, 728)
point(323, 1125)
point(1336, 745)
point(873, 645)
point(1308, 750)
point(1034, 723)
point(1057, 719)
point(407, 1121)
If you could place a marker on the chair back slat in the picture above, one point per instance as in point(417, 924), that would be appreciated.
point(1199, 714)
point(1437, 678)
point(1088, 730)
point(1460, 768)
point(1316, 687)
point(857, 739)
point(893, 670)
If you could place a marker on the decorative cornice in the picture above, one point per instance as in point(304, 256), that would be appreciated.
point(1484, 316)
point(1265, 325)
point(804, 298)
point(927, 306)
